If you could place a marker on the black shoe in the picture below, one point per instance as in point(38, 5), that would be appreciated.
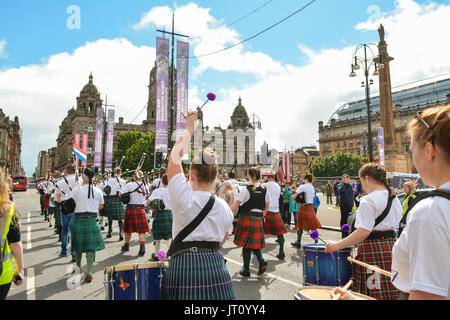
point(120, 237)
point(262, 267)
point(141, 250)
point(276, 240)
point(108, 235)
point(125, 248)
point(296, 244)
point(102, 228)
point(244, 272)
point(154, 258)
point(281, 256)
point(62, 255)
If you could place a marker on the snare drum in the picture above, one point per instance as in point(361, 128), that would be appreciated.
point(139, 281)
point(322, 293)
point(319, 268)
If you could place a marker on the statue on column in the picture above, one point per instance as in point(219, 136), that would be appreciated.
point(381, 33)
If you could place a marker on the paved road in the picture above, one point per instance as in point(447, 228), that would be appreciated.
point(48, 277)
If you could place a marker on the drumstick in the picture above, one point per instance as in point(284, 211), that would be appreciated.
point(368, 266)
point(345, 288)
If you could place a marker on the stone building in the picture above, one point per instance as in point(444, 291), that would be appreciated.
point(301, 160)
point(10, 145)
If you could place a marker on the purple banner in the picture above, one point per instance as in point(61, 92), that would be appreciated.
point(98, 138)
point(162, 85)
point(182, 84)
point(109, 140)
point(380, 142)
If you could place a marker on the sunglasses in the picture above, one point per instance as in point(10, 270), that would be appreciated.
point(419, 118)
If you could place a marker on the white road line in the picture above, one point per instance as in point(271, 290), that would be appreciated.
point(29, 246)
point(29, 217)
point(31, 291)
point(268, 274)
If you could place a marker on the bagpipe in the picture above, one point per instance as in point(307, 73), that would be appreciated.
point(125, 197)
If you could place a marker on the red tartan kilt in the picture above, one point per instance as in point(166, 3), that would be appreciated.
point(306, 218)
point(249, 232)
point(274, 225)
point(376, 252)
point(45, 202)
point(135, 221)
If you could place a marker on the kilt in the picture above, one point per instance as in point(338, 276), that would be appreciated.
point(86, 235)
point(162, 225)
point(58, 215)
point(114, 208)
point(274, 225)
point(135, 220)
point(306, 218)
point(102, 212)
point(377, 252)
point(51, 210)
point(197, 276)
point(45, 202)
point(249, 232)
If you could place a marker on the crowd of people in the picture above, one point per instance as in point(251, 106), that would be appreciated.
point(409, 239)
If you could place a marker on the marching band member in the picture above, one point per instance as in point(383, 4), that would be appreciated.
point(51, 206)
point(306, 217)
point(86, 234)
point(162, 222)
point(197, 269)
point(274, 225)
point(253, 203)
point(135, 218)
point(114, 208)
point(101, 185)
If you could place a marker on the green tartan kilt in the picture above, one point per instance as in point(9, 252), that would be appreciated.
point(57, 215)
point(114, 209)
point(86, 234)
point(162, 225)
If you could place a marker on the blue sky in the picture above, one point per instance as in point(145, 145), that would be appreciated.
point(301, 60)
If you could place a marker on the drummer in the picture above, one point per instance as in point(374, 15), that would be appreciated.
point(197, 269)
point(374, 234)
point(162, 222)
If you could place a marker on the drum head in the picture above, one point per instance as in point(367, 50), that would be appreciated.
point(323, 293)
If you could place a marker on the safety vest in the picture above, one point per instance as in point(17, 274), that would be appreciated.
point(406, 201)
point(8, 268)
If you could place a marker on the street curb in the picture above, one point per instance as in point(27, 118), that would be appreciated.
point(331, 228)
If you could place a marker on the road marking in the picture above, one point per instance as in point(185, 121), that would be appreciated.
point(29, 246)
point(297, 285)
point(31, 291)
point(29, 217)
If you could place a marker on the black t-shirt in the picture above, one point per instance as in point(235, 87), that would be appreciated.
point(14, 233)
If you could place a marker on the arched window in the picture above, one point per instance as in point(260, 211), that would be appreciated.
point(91, 107)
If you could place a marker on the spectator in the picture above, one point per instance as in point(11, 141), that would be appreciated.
point(346, 200)
point(329, 189)
point(287, 196)
point(356, 191)
point(336, 192)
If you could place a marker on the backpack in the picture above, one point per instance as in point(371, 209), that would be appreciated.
point(412, 202)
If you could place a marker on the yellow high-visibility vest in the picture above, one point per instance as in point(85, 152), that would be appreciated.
point(8, 272)
point(405, 203)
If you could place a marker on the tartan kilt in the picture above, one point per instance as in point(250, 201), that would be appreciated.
point(51, 210)
point(274, 225)
point(377, 252)
point(135, 221)
point(197, 276)
point(306, 218)
point(114, 208)
point(249, 232)
point(86, 235)
point(162, 225)
point(58, 215)
point(45, 202)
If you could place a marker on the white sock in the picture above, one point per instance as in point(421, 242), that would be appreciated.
point(157, 246)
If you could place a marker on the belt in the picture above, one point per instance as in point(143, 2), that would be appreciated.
point(253, 214)
point(110, 197)
point(85, 214)
point(136, 206)
point(381, 234)
point(163, 211)
point(193, 246)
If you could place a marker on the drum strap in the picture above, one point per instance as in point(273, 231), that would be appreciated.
point(191, 226)
point(384, 214)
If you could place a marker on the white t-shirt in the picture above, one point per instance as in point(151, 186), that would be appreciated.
point(274, 190)
point(162, 194)
point(52, 197)
point(244, 196)
point(156, 184)
point(308, 189)
point(421, 255)
point(64, 187)
point(116, 186)
point(102, 186)
point(371, 207)
point(85, 204)
point(186, 204)
point(140, 196)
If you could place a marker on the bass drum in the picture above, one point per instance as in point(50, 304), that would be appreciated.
point(322, 293)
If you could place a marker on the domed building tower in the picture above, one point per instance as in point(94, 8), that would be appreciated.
point(239, 118)
point(89, 99)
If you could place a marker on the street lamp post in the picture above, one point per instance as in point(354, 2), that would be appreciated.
point(367, 63)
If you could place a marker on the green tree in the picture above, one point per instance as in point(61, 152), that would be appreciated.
point(337, 164)
point(132, 145)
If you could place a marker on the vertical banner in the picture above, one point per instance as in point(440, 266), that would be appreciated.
point(76, 142)
point(182, 85)
point(85, 147)
point(109, 140)
point(380, 142)
point(98, 138)
point(284, 165)
point(162, 86)
point(288, 164)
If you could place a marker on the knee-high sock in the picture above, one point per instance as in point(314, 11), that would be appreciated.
point(299, 235)
point(120, 226)
point(109, 226)
point(281, 242)
point(157, 246)
point(78, 256)
point(90, 258)
point(258, 254)
point(246, 255)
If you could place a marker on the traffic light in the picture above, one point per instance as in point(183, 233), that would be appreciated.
point(159, 159)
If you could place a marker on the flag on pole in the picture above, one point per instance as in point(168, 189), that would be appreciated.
point(80, 154)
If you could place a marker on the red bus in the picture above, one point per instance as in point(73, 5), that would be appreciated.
point(19, 183)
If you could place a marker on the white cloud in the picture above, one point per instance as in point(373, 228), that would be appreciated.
point(2, 48)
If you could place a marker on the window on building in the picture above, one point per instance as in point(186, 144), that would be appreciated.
point(344, 144)
point(89, 150)
point(405, 135)
point(90, 128)
point(351, 143)
point(364, 129)
point(326, 145)
point(405, 123)
point(358, 142)
point(343, 133)
point(406, 147)
point(337, 144)
point(351, 131)
point(357, 130)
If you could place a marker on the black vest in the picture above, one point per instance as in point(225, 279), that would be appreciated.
point(257, 200)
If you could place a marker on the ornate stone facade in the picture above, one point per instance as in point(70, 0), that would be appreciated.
point(10, 145)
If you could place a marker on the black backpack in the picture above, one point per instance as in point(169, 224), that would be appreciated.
point(412, 202)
